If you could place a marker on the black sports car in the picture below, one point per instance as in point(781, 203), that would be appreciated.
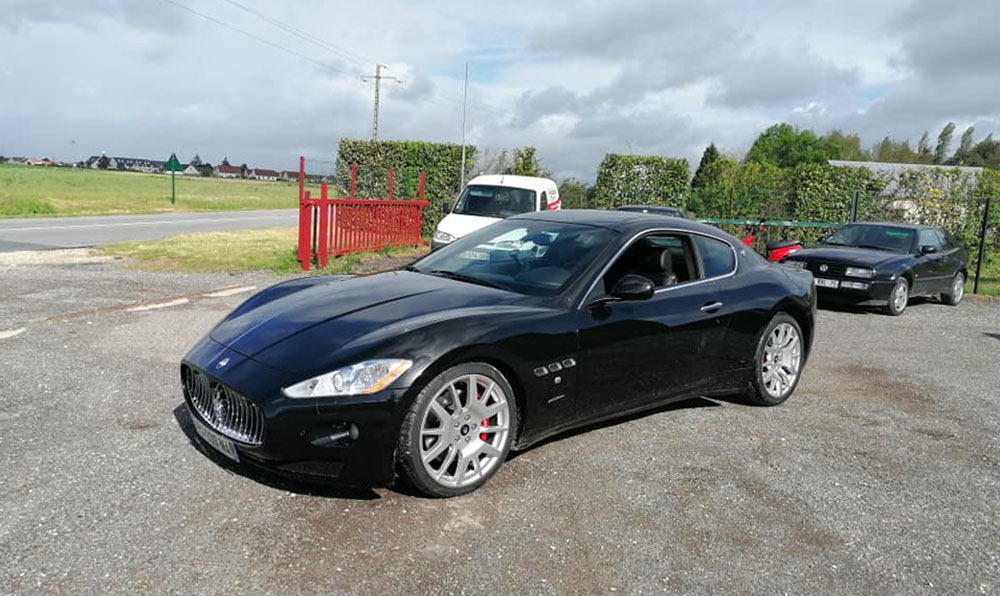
point(884, 264)
point(531, 326)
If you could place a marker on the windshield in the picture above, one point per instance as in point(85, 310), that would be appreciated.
point(878, 237)
point(495, 201)
point(539, 258)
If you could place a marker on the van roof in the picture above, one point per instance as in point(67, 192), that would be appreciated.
point(529, 182)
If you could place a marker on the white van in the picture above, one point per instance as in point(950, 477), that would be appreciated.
point(486, 199)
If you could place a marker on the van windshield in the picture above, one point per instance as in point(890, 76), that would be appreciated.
point(495, 201)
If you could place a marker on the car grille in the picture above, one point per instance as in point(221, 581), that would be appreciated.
point(222, 408)
point(832, 269)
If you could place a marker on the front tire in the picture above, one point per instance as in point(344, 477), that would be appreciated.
point(898, 298)
point(778, 362)
point(458, 431)
point(954, 295)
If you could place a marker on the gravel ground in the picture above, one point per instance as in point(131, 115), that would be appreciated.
point(880, 475)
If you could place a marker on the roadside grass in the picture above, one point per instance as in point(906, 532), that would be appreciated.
point(989, 283)
point(39, 191)
point(271, 249)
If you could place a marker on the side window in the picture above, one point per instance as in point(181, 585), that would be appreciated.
point(544, 203)
point(944, 239)
point(928, 238)
point(717, 257)
point(666, 259)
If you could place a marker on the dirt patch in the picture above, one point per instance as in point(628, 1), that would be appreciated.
point(874, 387)
point(31, 258)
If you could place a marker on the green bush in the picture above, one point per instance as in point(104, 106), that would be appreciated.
point(734, 190)
point(640, 179)
point(440, 161)
point(824, 193)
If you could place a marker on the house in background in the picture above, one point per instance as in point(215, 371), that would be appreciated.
point(228, 171)
point(130, 164)
point(289, 176)
point(262, 174)
point(191, 170)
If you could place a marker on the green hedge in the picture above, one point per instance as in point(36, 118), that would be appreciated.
point(440, 161)
point(642, 179)
point(826, 193)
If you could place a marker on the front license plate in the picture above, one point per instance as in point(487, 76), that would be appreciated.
point(223, 446)
point(827, 283)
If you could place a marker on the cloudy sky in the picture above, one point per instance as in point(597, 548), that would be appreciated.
point(575, 79)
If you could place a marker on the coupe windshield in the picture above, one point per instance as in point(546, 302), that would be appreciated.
point(878, 237)
point(495, 201)
point(538, 258)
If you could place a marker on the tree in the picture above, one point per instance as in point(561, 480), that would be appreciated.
point(924, 148)
point(986, 153)
point(225, 161)
point(785, 146)
point(205, 169)
point(944, 143)
point(845, 146)
point(964, 151)
point(525, 163)
point(196, 161)
point(890, 151)
point(244, 170)
point(574, 194)
point(710, 155)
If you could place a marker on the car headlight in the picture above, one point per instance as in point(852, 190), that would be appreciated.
point(794, 264)
point(864, 272)
point(358, 379)
point(440, 236)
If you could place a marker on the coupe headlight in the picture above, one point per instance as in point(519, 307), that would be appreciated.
point(444, 237)
point(794, 264)
point(358, 379)
point(859, 272)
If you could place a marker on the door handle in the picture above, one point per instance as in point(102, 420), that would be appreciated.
point(711, 307)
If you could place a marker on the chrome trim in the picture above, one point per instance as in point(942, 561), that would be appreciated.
point(711, 307)
point(223, 409)
point(736, 260)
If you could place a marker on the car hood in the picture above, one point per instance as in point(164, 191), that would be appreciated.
point(299, 330)
point(847, 255)
point(459, 225)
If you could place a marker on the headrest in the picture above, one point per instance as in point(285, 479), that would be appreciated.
point(658, 260)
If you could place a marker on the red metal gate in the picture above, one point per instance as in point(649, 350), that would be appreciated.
point(334, 227)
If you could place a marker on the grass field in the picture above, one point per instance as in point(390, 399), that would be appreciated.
point(38, 191)
point(989, 283)
point(251, 250)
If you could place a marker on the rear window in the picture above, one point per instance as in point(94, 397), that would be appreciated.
point(717, 257)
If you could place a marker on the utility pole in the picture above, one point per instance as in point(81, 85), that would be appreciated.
point(378, 84)
point(465, 99)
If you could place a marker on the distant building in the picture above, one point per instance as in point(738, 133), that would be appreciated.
point(130, 164)
point(263, 174)
point(224, 171)
point(191, 170)
point(289, 176)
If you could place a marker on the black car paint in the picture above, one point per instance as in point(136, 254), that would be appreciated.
point(927, 274)
point(628, 356)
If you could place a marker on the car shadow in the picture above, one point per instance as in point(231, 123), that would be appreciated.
point(993, 335)
point(697, 402)
point(873, 310)
point(257, 474)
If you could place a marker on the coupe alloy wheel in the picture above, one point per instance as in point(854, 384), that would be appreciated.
point(782, 360)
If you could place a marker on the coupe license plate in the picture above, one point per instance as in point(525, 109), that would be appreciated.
point(223, 446)
point(827, 283)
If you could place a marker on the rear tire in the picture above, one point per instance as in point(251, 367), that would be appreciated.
point(898, 298)
point(954, 295)
point(778, 362)
point(458, 431)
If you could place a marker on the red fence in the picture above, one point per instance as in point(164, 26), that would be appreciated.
point(333, 227)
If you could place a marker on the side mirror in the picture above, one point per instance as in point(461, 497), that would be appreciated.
point(821, 239)
point(926, 249)
point(633, 287)
point(447, 207)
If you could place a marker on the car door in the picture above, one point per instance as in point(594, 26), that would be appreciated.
point(928, 268)
point(950, 261)
point(640, 352)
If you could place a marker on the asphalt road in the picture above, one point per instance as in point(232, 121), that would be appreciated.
point(879, 476)
point(41, 233)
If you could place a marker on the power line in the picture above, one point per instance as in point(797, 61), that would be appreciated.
point(353, 56)
point(378, 85)
point(260, 39)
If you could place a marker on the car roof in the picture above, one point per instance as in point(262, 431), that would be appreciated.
point(528, 182)
point(650, 208)
point(628, 222)
point(893, 224)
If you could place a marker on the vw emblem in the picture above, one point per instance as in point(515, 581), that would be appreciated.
point(822, 269)
point(225, 361)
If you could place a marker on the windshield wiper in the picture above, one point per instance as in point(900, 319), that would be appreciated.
point(873, 247)
point(465, 278)
point(411, 268)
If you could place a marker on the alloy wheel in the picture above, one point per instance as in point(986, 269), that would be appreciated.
point(900, 296)
point(464, 430)
point(958, 288)
point(782, 360)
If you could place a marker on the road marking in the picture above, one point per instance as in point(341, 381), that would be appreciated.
point(11, 332)
point(230, 292)
point(150, 223)
point(175, 302)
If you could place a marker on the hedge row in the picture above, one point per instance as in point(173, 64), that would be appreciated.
point(440, 161)
point(644, 179)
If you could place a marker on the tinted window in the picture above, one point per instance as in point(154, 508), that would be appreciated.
point(539, 258)
point(873, 236)
point(717, 257)
point(929, 238)
point(495, 201)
